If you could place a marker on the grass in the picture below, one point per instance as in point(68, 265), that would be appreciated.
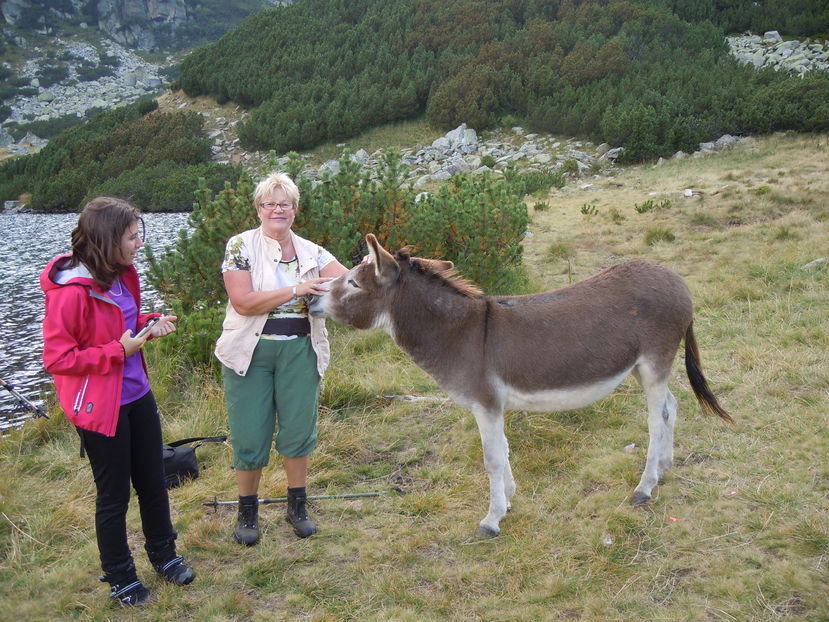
point(739, 530)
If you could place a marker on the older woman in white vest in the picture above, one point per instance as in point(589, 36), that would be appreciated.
point(273, 354)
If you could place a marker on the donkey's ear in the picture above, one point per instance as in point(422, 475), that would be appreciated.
point(385, 265)
point(437, 265)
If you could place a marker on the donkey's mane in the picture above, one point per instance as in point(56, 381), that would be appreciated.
point(449, 277)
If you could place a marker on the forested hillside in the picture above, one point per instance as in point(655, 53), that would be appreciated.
point(153, 158)
point(652, 76)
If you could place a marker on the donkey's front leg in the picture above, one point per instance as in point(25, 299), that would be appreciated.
point(496, 462)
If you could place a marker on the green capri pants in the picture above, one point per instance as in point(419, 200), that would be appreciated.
point(280, 391)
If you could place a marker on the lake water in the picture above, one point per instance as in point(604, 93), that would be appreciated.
point(27, 243)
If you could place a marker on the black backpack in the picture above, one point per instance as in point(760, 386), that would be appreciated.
point(180, 459)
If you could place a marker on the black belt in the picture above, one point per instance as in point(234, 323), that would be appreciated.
point(287, 326)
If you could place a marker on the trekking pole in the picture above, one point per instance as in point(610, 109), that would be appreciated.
point(350, 495)
point(22, 402)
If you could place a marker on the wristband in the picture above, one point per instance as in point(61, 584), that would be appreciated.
point(293, 291)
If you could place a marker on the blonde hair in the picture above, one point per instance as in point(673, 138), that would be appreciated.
point(274, 181)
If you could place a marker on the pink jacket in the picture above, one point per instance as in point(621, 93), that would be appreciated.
point(81, 348)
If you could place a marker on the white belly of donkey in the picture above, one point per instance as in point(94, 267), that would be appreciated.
point(548, 400)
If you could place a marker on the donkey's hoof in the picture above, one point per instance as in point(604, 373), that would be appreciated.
point(640, 498)
point(487, 532)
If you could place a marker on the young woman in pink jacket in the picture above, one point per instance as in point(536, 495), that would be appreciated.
point(92, 348)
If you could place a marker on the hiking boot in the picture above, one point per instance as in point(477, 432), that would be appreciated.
point(176, 571)
point(297, 514)
point(132, 594)
point(247, 524)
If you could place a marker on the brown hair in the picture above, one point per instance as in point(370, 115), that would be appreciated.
point(96, 240)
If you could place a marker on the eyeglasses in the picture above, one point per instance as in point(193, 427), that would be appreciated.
point(272, 206)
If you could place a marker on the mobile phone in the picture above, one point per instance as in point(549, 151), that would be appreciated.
point(150, 323)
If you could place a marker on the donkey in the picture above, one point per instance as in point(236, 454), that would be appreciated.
point(558, 350)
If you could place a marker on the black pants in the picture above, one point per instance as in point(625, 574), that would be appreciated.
point(134, 453)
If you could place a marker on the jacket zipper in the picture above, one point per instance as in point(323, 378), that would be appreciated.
point(80, 396)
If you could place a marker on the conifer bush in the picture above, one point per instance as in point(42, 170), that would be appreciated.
point(476, 222)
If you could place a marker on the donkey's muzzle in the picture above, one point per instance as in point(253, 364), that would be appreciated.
point(315, 306)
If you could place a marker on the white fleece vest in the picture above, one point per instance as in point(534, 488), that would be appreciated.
point(240, 333)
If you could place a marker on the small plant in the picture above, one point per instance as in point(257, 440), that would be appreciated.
point(659, 234)
point(784, 233)
point(615, 216)
point(570, 167)
point(560, 250)
point(589, 209)
point(541, 206)
point(701, 219)
point(488, 160)
point(762, 190)
point(644, 208)
point(649, 205)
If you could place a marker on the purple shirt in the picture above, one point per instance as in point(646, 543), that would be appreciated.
point(135, 382)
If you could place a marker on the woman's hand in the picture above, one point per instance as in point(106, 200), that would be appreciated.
point(164, 326)
point(132, 344)
point(313, 287)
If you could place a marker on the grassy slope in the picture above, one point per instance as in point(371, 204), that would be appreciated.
point(738, 531)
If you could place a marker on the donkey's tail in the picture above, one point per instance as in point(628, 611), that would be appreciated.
point(707, 401)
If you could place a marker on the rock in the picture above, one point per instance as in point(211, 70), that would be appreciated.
point(771, 51)
point(332, 167)
point(814, 264)
point(613, 154)
point(442, 143)
point(13, 207)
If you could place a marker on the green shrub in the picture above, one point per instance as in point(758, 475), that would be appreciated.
point(560, 250)
point(616, 217)
point(88, 73)
point(52, 74)
point(796, 103)
point(45, 129)
point(647, 206)
point(126, 149)
point(570, 167)
point(188, 277)
point(7, 91)
point(529, 181)
point(488, 161)
point(165, 187)
point(478, 223)
point(659, 234)
point(589, 209)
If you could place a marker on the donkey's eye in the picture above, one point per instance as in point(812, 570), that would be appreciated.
point(353, 283)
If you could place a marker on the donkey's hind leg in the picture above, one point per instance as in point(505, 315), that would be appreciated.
point(661, 417)
point(666, 447)
point(496, 462)
point(509, 481)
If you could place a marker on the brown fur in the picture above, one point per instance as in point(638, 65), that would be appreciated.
point(556, 350)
